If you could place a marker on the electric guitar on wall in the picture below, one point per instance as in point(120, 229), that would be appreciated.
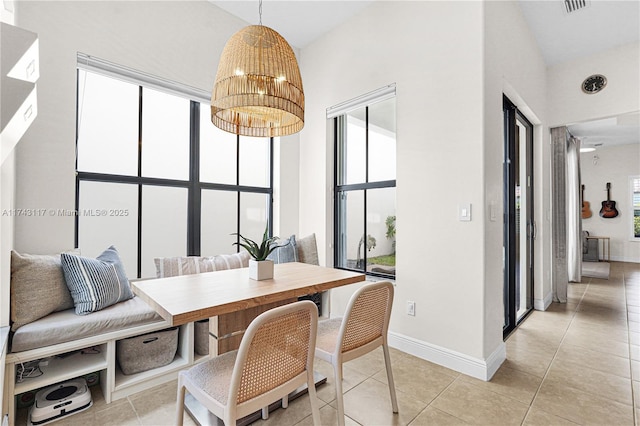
point(586, 207)
point(608, 210)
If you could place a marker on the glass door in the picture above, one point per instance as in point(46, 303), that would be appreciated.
point(519, 226)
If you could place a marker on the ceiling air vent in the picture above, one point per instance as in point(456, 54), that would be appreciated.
point(571, 6)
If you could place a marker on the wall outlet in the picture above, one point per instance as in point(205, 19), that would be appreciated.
point(411, 308)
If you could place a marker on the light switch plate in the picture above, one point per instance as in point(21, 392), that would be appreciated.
point(493, 211)
point(464, 212)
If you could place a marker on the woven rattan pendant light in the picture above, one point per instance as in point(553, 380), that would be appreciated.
point(258, 88)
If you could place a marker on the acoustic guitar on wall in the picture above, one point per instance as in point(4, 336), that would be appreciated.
point(586, 207)
point(608, 210)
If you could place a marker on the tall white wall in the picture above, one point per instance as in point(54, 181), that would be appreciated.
point(176, 40)
point(514, 66)
point(7, 220)
point(449, 151)
point(437, 68)
point(7, 196)
point(614, 164)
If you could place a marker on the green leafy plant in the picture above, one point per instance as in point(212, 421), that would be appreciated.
point(391, 231)
point(391, 227)
point(258, 252)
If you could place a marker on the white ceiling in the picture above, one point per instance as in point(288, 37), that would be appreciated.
point(299, 21)
point(603, 24)
point(620, 130)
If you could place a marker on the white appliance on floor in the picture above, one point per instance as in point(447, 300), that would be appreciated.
point(60, 401)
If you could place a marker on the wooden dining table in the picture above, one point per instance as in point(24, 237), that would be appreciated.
point(231, 300)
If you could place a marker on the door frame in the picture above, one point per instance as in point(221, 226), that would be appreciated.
point(511, 114)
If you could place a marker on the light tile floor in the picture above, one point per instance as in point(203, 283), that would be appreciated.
point(576, 363)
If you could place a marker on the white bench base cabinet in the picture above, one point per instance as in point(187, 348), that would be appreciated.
point(115, 385)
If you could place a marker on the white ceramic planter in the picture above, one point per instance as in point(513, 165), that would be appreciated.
point(260, 270)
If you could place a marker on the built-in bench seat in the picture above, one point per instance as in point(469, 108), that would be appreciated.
point(66, 326)
point(59, 336)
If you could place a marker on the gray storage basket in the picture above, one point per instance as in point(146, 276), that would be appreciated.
point(152, 350)
point(201, 337)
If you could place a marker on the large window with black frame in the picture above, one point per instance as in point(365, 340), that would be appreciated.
point(365, 189)
point(155, 178)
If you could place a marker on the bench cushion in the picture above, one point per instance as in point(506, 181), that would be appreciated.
point(66, 326)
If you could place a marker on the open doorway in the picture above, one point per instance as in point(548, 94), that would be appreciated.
point(610, 173)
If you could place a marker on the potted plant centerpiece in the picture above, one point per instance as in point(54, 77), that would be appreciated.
point(260, 268)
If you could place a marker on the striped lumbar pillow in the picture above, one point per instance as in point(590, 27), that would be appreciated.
point(187, 265)
point(95, 283)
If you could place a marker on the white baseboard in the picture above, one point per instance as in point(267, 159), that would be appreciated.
point(623, 259)
point(482, 369)
point(543, 304)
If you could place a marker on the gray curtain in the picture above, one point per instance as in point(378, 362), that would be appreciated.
point(574, 211)
point(560, 278)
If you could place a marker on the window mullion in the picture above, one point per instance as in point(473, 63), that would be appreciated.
point(270, 207)
point(140, 104)
point(366, 179)
point(194, 192)
point(238, 192)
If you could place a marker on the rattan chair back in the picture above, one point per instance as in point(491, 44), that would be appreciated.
point(367, 316)
point(278, 351)
point(363, 328)
point(275, 358)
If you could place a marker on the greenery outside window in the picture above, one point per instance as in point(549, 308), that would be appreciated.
point(365, 186)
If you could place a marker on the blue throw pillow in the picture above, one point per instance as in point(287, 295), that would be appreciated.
point(286, 251)
point(95, 283)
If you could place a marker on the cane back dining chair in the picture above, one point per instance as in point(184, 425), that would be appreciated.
point(362, 329)
point(275, 357)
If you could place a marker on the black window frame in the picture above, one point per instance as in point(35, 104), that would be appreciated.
point(194, 186)
point(340, 189)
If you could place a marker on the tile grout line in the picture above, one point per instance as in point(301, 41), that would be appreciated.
point(134, 409)
point(626, 307)
point(428, 403)
point(436, 397)
point(555, 354)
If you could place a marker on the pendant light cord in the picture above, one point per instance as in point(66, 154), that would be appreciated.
point(260, 11)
